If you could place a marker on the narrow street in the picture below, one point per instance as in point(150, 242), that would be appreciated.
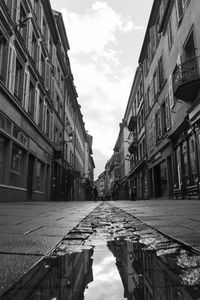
point(123, 249)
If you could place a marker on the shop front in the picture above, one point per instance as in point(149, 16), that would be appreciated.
point(160, 174)
point(138, 182)
point(186, 153)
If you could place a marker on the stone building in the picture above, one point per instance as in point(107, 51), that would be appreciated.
point(170, 62)
point(134, 115)
point(35, 81)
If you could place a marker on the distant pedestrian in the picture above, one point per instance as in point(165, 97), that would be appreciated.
point(95, 192)
point(133, 193)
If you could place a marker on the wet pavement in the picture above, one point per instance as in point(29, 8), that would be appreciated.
point(108, 254)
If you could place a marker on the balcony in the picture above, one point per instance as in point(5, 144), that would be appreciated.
point(186, 80)
point(132, 123)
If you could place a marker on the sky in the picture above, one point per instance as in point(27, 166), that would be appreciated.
point(105, 38)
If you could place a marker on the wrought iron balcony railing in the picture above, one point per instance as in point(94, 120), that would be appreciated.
point(186, 80)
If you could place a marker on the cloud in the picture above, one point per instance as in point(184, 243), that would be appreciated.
point(95, 29)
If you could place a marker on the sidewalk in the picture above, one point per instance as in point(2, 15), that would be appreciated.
point(179, 219)
point(29, 231)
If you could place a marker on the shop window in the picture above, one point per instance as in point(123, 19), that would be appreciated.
point(193, 161)
point(2, 159)
point(39, 176)
point(16, 172)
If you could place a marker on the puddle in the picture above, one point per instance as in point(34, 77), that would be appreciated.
point(112, 256)
point(116, 270)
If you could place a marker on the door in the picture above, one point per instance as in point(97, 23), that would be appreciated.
point(30, 177)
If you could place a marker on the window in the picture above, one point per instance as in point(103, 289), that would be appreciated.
point(34, 47)
point(37, 9)
point(12, 69)
point(193, 160)
point(151, 94)
point(151, 141)
point(161, 72)
point(2, 159)
point(18, 81)
point(44, 117)
point(31, 103)
point(26, 90)
point(185, 161)
point(2, 56)
point(23, 29)
point(51, 134)
point(42, 71)
point(39, 176)
point(48, 122)
point(170, 34)
point(165, 114)
point(155, 83)
point(158, 124)
point(5, 124)
point(40, 113)
point(180, 8)
point(16, 178)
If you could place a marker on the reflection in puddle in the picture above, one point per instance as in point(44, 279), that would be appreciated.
point(107, 283)
point(122, 269)
point(173, 275)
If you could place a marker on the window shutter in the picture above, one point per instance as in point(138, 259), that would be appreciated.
point(16, 11)
point(52, 88)
point(47, 75)
point(39, 50)
point(152, 38)
point(51, 129)
point(167, 112)
point(171, 94)
point(153, 130)
point(44, 117)
point(161, 71)
point(12, 69)
point(54, 56)
point(37, 97)
point(41, 15)
point(29, 39)
point(179, 6)
point(26, 87)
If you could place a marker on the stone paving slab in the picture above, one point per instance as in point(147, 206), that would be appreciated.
point(13, 267)
point(179, 219)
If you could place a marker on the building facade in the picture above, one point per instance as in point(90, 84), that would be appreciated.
point(35, 79)
point(134, 114)
point(162, 113)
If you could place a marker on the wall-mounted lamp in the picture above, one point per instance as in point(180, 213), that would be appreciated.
point(70, 136)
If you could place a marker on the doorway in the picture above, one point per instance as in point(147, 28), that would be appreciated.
point(30, 177)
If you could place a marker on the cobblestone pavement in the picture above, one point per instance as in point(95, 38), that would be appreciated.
point(31, 231)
